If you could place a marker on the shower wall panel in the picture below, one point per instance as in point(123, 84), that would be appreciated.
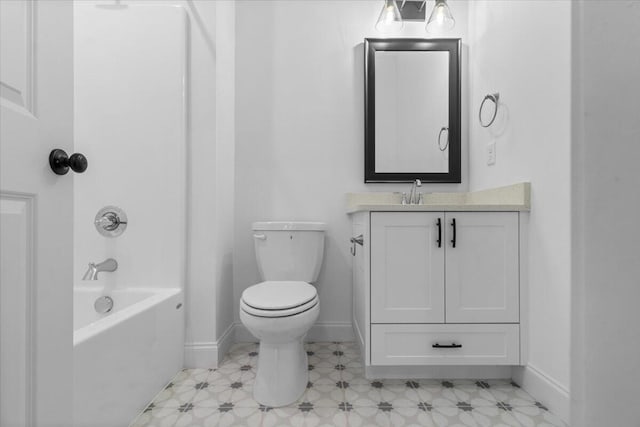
point(130, 122)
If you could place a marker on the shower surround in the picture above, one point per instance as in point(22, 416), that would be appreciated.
point(130, 121)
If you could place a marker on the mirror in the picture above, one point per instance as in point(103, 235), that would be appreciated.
point(412, 110)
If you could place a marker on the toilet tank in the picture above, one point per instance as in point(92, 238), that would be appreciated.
point(289, 250)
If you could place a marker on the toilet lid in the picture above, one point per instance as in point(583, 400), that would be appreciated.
point(278, 295)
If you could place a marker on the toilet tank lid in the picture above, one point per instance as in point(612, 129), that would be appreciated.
point(289, 226)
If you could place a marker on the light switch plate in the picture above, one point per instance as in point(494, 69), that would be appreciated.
point(491, 153)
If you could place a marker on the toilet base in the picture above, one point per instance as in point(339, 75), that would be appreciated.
point(282, 373)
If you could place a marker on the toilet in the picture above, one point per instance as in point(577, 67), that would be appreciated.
point(280, 310)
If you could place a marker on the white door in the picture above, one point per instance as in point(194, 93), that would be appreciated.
point(36, 208)
point(482, 267)
point(407, 267)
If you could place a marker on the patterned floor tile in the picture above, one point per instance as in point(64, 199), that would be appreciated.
point(514, 396)
point(383, 417)
point(246, 417)
point(363, 392)
point(324, 390)
point(455, 392)
point(338, 394)
point(294, 417)
point(468, 416)
point(536, 416)
point(220, 387)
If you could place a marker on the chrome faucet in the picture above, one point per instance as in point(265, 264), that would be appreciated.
point(108, 265)
point(414, 198)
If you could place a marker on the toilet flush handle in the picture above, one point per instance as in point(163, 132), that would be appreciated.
point(260, 237)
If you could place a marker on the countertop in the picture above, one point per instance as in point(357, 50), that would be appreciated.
point(516, 197)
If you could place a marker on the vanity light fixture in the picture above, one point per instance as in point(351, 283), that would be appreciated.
point(392, 17)
point(441, 19)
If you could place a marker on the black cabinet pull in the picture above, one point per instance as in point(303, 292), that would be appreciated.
point(453, 224)
point(452, 345)
point(439, 223)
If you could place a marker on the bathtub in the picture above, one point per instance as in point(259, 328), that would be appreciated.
point(123, 358)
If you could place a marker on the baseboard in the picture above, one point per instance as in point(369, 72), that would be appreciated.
point(201, 355)
point(359, 339)
point(438, 372)
point(545, 389)
point(225, 342)
point(208, 355)
point(321, 331)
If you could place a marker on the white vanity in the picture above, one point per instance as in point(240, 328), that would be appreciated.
point(440, 283)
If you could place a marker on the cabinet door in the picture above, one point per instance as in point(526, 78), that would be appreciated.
point(407, 268)
point(482, 269)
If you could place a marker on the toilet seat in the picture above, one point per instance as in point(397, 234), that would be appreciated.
point(278, 298)
point(278, 313)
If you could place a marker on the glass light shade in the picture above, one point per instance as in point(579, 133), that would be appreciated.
point(441, 19)
point(390, 19)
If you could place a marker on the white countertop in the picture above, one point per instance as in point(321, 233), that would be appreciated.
point(516, 197)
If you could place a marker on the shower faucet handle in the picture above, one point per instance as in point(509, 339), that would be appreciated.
point(111, 221)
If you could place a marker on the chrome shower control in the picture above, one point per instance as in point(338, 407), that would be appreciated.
point(111, 221)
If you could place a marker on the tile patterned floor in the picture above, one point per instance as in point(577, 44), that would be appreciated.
point(339, 395)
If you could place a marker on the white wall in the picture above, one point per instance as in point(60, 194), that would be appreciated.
point(134, 137)
point(300, 131)
point(210, 275)
point(522, 49)
point(225, 157)
point(606, 202)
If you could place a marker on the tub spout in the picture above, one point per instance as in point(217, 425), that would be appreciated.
point(108, 265)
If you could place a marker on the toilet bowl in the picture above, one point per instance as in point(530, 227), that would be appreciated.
point(282, 361)
point(280, 310)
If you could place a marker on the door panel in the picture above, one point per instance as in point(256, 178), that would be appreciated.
point(482, 269)
point(16, 296)
point(407, 268)
point(17, 46)
point(36, 213)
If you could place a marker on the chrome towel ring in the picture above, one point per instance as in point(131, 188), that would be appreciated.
point(446, 144)
point(494, 97)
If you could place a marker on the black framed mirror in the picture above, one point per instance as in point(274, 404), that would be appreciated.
point(412, 110)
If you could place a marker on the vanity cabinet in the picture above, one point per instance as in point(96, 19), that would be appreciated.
point(444, 288)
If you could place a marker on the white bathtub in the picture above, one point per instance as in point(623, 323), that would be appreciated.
point(122, 359)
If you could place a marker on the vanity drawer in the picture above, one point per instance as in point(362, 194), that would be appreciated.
point(413, 344)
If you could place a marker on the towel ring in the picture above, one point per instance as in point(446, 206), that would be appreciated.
point(446, 145)
point(494, 97)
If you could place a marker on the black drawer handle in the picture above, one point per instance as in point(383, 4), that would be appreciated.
point(452, 345)
point(439, 223)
